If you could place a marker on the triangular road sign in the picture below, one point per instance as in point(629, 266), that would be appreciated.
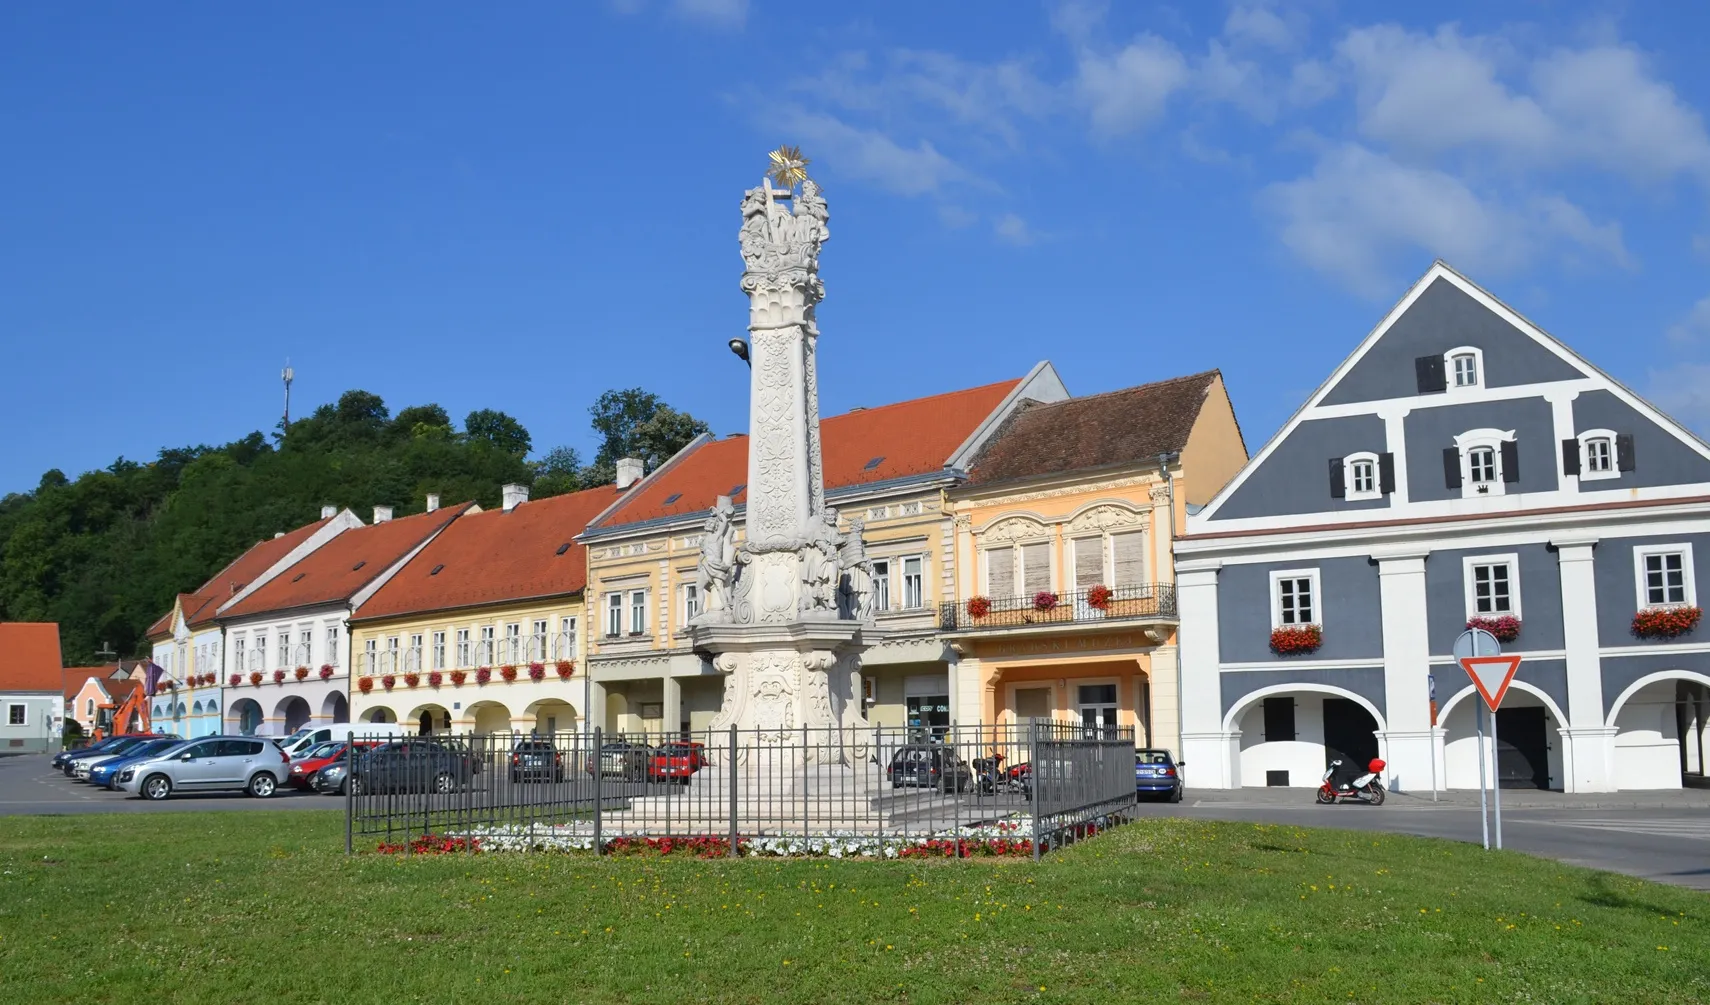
point(1491, 675)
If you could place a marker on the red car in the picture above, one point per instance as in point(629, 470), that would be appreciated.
point(303, 769)
point(676, 761)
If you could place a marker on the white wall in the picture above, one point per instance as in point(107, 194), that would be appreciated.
point(1647, 741)
point(1302, 758)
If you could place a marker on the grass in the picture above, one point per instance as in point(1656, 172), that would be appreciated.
point(263, 907)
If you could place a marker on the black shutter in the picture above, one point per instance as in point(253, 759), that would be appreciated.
point(1431, 376)
point(1338, 481)
point(1623, 451)
point(1451, 467)
point(1570, 457)
point(1386, 473)
point(1510, 461)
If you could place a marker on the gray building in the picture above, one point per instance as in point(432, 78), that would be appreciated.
point(32, 697)
point(1461, 467)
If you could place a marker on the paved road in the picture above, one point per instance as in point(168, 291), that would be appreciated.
point(1662, 836)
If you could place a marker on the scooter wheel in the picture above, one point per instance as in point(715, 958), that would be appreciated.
point(1376, 798)
point(1325, 798)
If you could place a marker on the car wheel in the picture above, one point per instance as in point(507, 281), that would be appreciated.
point(1176, 794)
point(352, 786)
point(156, 787)
point(444, 783)
point(262, 785)
point(309, 780)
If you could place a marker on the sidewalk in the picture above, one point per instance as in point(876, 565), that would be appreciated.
point(1512, 799)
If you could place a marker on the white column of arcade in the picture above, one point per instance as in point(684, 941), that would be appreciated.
point(1406, 733)
point(1212, 753)
point(1587, 743)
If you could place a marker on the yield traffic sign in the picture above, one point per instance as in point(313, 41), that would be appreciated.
point(1491, 675)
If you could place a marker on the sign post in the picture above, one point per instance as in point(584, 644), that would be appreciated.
point(1431, 693)
point(1491, 674)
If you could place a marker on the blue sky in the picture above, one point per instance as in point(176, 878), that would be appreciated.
point(520, 206)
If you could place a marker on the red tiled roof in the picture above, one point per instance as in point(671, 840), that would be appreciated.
point(340, 568)
point(199, 607)
point(119, 690)
point(72, 679)
point(29, 656)
point(907, 438)
point(494, 556)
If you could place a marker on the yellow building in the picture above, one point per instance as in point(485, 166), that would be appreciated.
point(887, 467)
point(482, 631)
point(1065, 596)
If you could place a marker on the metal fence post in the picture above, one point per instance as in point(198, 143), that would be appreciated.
point(1033, 789)
point(730, 766)
point(599, 770)
point(349, 805)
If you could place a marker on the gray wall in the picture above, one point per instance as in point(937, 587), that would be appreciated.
point(1540, 597)
point(1296, 477)
point(1431, 430)
point(1617, 594)
point(1619, 672)
point(1660, 459)
point(1352, 616)
point(1442, 318)
point(1367, 682)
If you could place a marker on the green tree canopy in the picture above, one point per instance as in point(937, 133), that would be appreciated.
point(636, 423)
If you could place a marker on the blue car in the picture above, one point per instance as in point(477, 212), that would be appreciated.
point(105, 773)
point(1156, 773)
point(63, 756)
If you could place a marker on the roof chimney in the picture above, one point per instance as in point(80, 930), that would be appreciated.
point(328, 512)
point(629, 471)
point(382, 514)
point(515, 495)
point(278, 534)
point(433, 501)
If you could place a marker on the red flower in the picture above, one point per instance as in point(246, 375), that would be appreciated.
point(483, 674)
point(412, 679)
point(537, 670)
point(365, 684)
point(1044, 600)
point(1506, 627)
point(565, 668)
point(278, 676)
point(1098, 597)
point(302, 673)
point(255, 678)
point(508, 672)
point(1290, 639)
point(434, 678)
point(458, 677)
point(237, 678)
point(388, 681)
point(1665, 622)
point(326, 671)
point(979, 607)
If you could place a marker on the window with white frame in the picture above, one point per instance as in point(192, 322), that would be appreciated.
point(1481, 464)
point(691, 602)
point(882, 584)
point(1664, 575)
point(568, 641)
point(1295, 598)
point(415, 657)
point(439, 650)
point(1488, 460)
point(1492, 585)
point(1464, 367)
point(306, 647)
point(89, 708)
point(638, 612)
point(371, 655)
point(614, 615)
point(537, 639)
point(1360, 477)
point(1015, 570)
point(1599, 455)
point(332, 644)
point(284, 648)
point(487, 652)
point(17, 715)
point(913, 582)
point(1115, 559)
point(237, 653)
point(513, 642)
point(463, 653)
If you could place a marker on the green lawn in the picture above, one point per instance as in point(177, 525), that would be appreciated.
point(260, 907)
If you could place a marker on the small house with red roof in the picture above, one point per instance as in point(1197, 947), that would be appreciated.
point(482, 630)
point(286, 639)
point(32, 699)
point(885, 467)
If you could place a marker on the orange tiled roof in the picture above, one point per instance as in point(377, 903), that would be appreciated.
point(494, 556)
point(29, 656)
point(908, 438)
point(72, 679)
point(343, 566)
point(199, 607)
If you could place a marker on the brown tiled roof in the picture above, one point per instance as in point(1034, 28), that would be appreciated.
point(29, 656)
point(1098, 430)
point(199, 607)
point(72, 679)
point(907, 438)
point(494, 556)
point(119, 690)
point(343, 566)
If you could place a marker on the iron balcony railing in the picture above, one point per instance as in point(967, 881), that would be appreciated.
point(1140, 602)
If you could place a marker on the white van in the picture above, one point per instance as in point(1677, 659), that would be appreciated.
point(307, 738)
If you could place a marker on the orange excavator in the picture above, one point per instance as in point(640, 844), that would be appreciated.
point(132, 715)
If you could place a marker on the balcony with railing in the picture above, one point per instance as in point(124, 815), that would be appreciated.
point(1098, 605)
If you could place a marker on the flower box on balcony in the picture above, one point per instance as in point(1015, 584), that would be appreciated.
point(1506, 628)
point(365, 684)
point(565, 668)
point(302, 673)
point(1290, 640)
point(1665, 622)
point(979, 607)
point(1044, 600)
point(388, 681)
point(279, 676)
point(483, 674)
point(435, 678)
point(255, 678)
point(458, 677)
point(327, 670)
point(508, 672)
point(412, 679)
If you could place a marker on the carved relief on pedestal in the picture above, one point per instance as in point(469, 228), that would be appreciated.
point(773, 679)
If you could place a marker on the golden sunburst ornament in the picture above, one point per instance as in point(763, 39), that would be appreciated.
point(788, 166)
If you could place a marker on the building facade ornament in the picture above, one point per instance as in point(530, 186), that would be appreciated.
point(1104, 517)
point(1016, 528)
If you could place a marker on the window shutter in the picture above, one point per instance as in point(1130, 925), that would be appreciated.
point(1129, 550)
point(1570, 457)
point(1451, 467)
point(1338, 479)
point(1089, 562)
point(1000, 571)
point(1431, 376)
point(1386, 473)
point(1035, 568)
point(1510, 461)
point(1624, 451)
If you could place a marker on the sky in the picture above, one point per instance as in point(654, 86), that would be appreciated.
point(521, 205)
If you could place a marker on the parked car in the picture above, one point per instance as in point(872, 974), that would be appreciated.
point(306, 738)
point(210, 764)
point(1156, 773)
point(676, 761)
point(60, 758)
point(332, 779)
point(104, 772)
point(536, 758)
point(305, 768)
point(929, 765)
point(77, 766)
point(421, 764)
point(623, 759)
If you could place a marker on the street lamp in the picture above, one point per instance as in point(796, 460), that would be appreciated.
point(740, 348)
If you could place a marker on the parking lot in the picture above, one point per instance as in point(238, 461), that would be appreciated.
point(29, 784)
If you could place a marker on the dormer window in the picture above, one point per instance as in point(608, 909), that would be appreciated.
point(1597, 454)
point(1481, 467)
point(1482, 462)
point(1465, 369)
point(1362, 477)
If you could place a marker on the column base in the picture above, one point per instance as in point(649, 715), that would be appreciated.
point(1408, 757)
point(1588, 758)
point(1212, 760)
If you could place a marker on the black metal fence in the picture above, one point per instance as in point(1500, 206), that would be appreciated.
point(889, 792)
point(1138, 602)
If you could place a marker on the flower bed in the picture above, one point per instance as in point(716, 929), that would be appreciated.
point(1292, 639)
point(1098, 597)
point(508, 672)
point(537, 670)
point(327, 670)
point(565, 668)
point(365, 684)
point(458, 677)
point(979, 607)
point(1506, 628)
point(1004, 838)
point(1665, 622)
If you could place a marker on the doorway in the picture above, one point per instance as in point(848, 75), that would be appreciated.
point(1350, 733)
point(928, 714)
point(1522, 749)
point(1097, 705)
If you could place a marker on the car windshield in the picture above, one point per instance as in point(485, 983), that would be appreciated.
point(1151, 757)
point(533, 747)
point(157, 746)
point(324, 750)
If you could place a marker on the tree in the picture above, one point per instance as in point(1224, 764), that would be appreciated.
point(636, 423)
point(422, 420)
point(560, 471)
point(498, 430)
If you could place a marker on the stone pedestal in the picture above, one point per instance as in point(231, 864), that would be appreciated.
point(796, 685)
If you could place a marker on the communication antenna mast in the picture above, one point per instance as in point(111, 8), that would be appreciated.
point(287, 375)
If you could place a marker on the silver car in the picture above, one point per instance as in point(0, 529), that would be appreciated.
point(211, 764)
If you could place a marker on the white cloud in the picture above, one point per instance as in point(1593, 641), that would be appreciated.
point(723, 13)
point(956, 218)
point(1683, 391)
point(1221, 76)
point(870, 154)
point(1694, 327)
point(1259, 26)
point(913, 85)
point(1359, 209)
point(1612, 113)
point(1012, 229)
point(1128, 89)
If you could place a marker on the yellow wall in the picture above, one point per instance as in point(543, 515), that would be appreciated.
point(1215, 451)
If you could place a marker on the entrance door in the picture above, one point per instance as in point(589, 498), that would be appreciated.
point(928, 714)
point(1350, 733)
point(1522, 749)
point(1097, 705)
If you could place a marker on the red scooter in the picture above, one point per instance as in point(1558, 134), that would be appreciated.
point(1339, 786)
